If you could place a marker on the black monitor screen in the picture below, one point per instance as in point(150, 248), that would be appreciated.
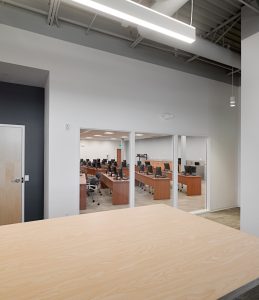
point(114, 170)
point(158, 171)
point(190, 170)
point(150, 169)
point(167, 166)
point(197, 163)
point(147, 163)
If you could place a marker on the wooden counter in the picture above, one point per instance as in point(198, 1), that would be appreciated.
point(83, 194)
point(161, 185)
point(193, 183)
point(120, 189)
point(91, 170)
point(154, 252)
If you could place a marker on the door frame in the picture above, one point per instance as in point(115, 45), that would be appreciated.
point(22, 127)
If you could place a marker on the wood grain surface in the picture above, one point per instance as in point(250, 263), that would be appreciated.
point(152, 252)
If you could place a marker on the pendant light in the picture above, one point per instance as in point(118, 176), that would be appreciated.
point(232, 100)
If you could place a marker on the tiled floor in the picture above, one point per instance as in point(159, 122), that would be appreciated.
point(229, 217)
point(186, 203)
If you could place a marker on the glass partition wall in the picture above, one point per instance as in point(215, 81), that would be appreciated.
point(105, 170)
point(104, 175)
point(192, 168)
point(153, 169)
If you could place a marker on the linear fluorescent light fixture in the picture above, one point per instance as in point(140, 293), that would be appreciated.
point(140, 15)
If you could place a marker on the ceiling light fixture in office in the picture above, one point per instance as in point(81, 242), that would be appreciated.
point(140, 15)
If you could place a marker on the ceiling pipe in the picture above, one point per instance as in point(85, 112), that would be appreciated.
point(200, 47)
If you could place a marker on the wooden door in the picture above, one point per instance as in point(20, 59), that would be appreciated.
point(11, 173)
point(119, 156)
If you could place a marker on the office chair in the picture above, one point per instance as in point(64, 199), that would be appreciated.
point(92, 187)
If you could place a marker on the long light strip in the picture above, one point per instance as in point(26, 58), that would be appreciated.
point(135, 20)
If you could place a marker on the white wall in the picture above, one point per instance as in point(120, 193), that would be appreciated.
point(156, 148)
point(83, 80)
point(99, 149)
point(196, 148)
point(160, 148)
point(249, 135)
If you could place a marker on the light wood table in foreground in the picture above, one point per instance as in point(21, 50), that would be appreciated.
point(151, 252)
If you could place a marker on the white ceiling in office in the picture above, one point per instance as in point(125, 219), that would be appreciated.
point(89, 134)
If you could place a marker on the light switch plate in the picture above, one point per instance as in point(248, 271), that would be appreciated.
point(27, 178)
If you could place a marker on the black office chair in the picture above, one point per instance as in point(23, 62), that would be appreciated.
point(92, 187)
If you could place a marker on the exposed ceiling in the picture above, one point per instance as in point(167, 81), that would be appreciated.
point(217, 21)
point(102, 135)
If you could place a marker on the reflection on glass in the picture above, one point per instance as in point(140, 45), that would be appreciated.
point(104, 175)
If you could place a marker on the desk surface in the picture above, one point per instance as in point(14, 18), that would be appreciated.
point(113, 179)
point(152, 176)
point(151, 252)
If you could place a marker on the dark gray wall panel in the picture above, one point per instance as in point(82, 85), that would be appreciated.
point(24, 105)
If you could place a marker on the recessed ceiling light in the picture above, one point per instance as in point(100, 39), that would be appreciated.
point(139, 134)
point(142, 16)
point(88, 137)
point(124, 137)
point(109, 132)
point(98, 135)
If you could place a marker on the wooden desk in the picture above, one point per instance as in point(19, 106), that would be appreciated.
point(120, 189)
point(161, 185)
point(91, 170)
point(154, 252)
point(193, 183)
point(83, 194)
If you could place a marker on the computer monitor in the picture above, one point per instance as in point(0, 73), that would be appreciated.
point(167, 166)
point(124, 164)
point(158, 171)
point(149, 169)
point(197, 163)
point(98, 160)
point(114, 170)
point(147, 163)
point(121, 173)
point(191, 170)
point(141, 168)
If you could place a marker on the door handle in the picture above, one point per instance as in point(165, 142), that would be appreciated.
point(16, 180)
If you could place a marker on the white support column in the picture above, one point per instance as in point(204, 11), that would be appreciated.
point(175, 171)
point(183, 152)
point(132, 168)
